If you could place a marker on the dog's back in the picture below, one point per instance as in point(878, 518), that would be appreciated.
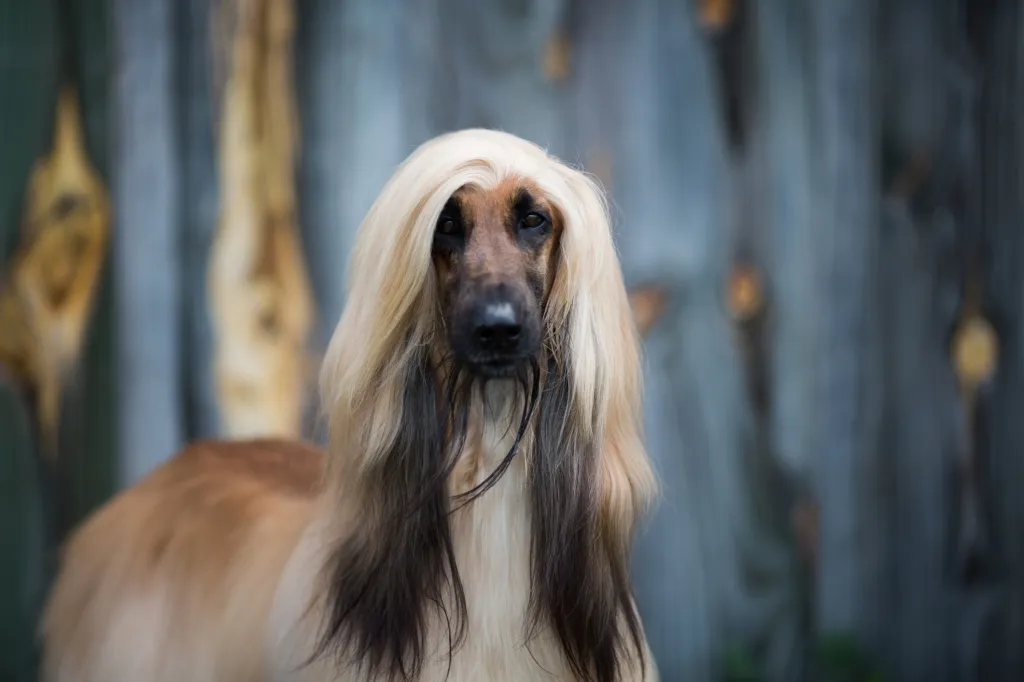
point(172, 579)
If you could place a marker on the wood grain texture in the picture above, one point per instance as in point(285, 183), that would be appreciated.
point(847, 388)
point(365, 73)
point(200, 194)
point(49, 296)
point(260, 297)
point(145, 196)
point(934, 556)
point(1002, 430)
point(657, 113)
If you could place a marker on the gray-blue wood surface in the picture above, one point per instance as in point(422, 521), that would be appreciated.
point(842, 392)
point(1001, 209)
point(147, 232)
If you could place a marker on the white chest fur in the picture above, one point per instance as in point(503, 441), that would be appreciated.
point(492, 546)
point(491, 539)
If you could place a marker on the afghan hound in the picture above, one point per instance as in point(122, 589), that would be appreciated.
point(472, 517)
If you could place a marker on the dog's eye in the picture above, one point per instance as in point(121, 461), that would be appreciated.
point(532, 221)
point(447, 226)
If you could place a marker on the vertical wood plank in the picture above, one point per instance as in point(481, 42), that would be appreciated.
point(921, 625)
point(785, 40)
point(88, 439)
point(595, 84)
point(21, 534)
point(199, 193)
point(28, 89)
point(672, 196)
point(1002, 203)
point(356, 117)
point(145, 182)
point(847, 380)
point(772, 113)
point(500, 81)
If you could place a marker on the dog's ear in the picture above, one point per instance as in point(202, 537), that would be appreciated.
point(648, 303)
point(399, 564)
point(581, 538)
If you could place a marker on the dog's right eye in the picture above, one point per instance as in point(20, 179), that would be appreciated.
point(449, 232)
point(447, 226)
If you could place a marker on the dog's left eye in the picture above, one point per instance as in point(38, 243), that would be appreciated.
point(532, 221)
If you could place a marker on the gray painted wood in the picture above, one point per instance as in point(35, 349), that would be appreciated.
point(22, 538)
point(1002, 203)
point(358, 120)
point(775, 233)
point(785, 78)
point(910, 628)
point(672, 191)
point(199, 205)
point(88, 438)
point(847, 388)
point(924, 626)
point(28, 76)
point(500, 83)
point(145, 183)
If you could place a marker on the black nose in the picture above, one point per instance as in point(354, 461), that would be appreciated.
point(498, 329)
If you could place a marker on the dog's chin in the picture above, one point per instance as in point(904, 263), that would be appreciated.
point(497, 368)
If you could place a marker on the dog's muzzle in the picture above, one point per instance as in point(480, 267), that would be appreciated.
point(499, 333)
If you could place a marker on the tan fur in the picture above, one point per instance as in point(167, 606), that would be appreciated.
point(208, 532)
point(213, 567)
point(491, 252)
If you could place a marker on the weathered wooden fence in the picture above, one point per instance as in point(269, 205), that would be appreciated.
point(830, 190)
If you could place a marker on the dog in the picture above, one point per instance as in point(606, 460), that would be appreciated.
point(472, 516)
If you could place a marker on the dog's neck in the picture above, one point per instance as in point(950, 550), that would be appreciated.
point(495, 416)
point(492, 535)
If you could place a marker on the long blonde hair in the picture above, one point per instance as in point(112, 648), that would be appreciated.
point(390, 427)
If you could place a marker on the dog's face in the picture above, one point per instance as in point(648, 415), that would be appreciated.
point(494, 253)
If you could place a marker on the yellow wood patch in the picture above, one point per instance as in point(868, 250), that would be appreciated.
point(744, 295)
point(260, 296)
point(975, 350)
point(716, 14)
point(556, 57)
point(48, 294)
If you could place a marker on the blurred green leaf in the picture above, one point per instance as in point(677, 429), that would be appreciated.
point(739, 666)
point(841, 659)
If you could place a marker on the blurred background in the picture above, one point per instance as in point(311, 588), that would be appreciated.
point(818, 206)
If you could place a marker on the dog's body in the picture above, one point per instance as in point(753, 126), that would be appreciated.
point(436, 541)
point(212, 532)
point(229, 515)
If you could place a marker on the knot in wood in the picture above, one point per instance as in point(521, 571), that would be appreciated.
point(745, 296)
point(975, 351)
point(715, 15)
point(556, 58)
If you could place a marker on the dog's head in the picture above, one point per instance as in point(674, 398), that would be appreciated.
point(494, 252)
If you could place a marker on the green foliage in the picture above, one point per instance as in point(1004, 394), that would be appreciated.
point(838, 659)
point(841, 660)
point(739, 666)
